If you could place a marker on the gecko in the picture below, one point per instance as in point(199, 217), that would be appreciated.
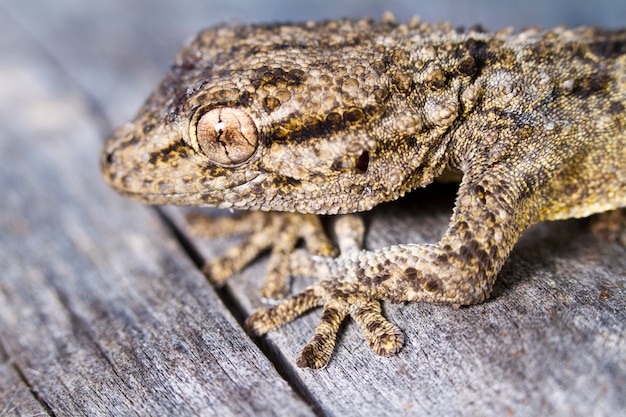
point(292, 121)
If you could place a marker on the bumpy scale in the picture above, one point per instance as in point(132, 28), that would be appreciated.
point(339, 116)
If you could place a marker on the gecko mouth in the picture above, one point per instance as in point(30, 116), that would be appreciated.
point(149, 177)
point(147, 169)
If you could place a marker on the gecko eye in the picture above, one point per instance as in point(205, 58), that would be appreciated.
point(227, 136)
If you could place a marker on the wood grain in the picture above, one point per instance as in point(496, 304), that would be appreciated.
point(103, 312)
point(549, 342)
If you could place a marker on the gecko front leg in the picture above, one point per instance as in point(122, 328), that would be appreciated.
point(490, 214)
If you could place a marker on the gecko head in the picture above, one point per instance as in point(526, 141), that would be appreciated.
point(234, 153)
point(252, 121)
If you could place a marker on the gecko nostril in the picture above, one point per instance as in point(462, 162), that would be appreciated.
point(109, 158)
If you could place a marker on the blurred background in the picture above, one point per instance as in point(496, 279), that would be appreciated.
point(86, 37)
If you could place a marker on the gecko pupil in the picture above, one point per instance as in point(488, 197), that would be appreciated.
point(219, 128)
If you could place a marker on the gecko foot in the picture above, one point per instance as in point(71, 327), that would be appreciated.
point(383, 337)
point(279, 232)
point(338, 302)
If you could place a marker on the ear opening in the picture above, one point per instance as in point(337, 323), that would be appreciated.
point(363, 161)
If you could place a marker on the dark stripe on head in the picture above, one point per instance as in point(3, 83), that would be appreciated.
point(175, 150)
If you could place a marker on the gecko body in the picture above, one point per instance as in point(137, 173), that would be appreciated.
point(339, 116)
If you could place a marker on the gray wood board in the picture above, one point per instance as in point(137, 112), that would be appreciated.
point(103, 313)
point(16, 398)
point(551, 340)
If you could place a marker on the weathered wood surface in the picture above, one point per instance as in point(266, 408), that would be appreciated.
point(103, 312)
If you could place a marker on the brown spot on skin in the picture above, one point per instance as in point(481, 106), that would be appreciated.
point(477, 49)
point(380, 278)
point(442, 259)
point(410, 274)
point(175, 150)
point(436, 79)
point(372, 326)
point(283, 181)
point(353, 115)
point(271, 104)
point(334, 118)
point(329, 314)
point(401, 81)
point(465, 254)
point(468, 67)
point(591, 85)
point(373, 111)
point(432, 285)
point(609, 48)
point(616, 108)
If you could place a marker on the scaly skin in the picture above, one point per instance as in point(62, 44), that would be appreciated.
point(339, 116)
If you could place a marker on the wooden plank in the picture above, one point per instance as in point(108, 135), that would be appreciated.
point(550, 342)
point(102, 312)
point(16, 399)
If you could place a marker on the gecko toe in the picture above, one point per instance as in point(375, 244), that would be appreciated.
point(317, 352)
point(383, 337)
point(264, 320)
